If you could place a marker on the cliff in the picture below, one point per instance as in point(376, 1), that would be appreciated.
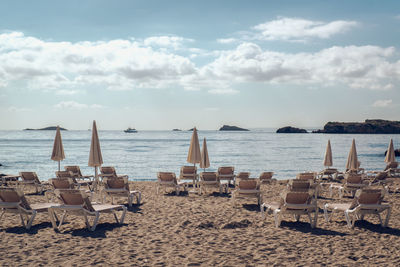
point(367, 127)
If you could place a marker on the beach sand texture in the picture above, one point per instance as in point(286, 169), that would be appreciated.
point(192, 230)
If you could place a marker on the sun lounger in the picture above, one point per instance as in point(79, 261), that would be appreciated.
point(12, 200)
point(295, 203)
point(168, 179)
point(351, 184)
point(31, 179)
point(366, 201)
point(77, 174)
point(77, 202)
point(328, 174)
point(248, 188)
point(109, 171)
point(210, 180)
point(119, 187)
point(70, 175)
point(189, 173)
point(266, 177)
point(226, 174)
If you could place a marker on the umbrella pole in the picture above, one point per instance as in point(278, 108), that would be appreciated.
point(95, 179)
point(58, 165)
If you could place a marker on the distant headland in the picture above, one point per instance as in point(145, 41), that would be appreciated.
point(232, 128)
point(367, 127)
point(50, 128)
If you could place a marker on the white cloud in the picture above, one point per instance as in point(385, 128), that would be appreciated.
point(175, 42)
point(367, 67)
point(382, 103)
point(298, 29)
point(129, 64)
point(227, 40)
point(76, 105)
point(115, 64)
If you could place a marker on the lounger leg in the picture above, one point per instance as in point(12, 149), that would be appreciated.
point(262, 211)
point(380, 219)
point(326, 215)
point(277, 218)
point(297, 217)
point(96, 220)
point(30, 221)
point(349, 222)
point(22, 220)
point(389, 210)
point(63, 216)
point(121, 220)
point(1, 215)
point(330, 191)
point(139, 197)
point(52, 220)
point(315, 218)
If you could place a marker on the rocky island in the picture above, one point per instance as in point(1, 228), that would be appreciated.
point(50, 128)
point(232, 128)
point(367, 127)
point(290, 129)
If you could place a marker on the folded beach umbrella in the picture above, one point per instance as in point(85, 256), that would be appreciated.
point(205, 161)
point(352, 161)
point(58, 149)
point(95, 158)
point(194, 155)
point(390, 156)
point(328, 155)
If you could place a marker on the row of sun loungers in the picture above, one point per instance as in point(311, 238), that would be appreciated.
point(299, 198)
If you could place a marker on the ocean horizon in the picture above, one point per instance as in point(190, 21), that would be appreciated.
point(141, 155)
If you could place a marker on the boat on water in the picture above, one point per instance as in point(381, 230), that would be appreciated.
point(130, 130)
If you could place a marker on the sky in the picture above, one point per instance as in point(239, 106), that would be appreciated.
point(159, 65)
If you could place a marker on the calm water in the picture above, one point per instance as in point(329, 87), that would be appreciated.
point(141, 155)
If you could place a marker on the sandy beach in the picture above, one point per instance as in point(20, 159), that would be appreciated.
point(207, 230)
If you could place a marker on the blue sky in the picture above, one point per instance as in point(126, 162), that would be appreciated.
point(178, 64)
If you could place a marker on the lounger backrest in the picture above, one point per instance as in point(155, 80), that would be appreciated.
point(391, 165)
point(226, 170)
point(369, 196)
point(75, 197)
point(299, 185)
point(116, 183)
point(188, 171)
point(306, 176)
point(75, 170)
point(62, 183)
point(297, 197)
point(208, 176)
point(63, 174)
point(14, 195)
point(29, 176)
point(166, 176)
point(109, 170)
point(352, 178)
point(266, 175)
point(250, 184)
point(243, 175)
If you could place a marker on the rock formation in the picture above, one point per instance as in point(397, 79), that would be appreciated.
point(290, 129)
point(232, 128)
point(367, 127)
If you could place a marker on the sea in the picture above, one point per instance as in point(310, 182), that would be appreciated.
point(141, 155)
